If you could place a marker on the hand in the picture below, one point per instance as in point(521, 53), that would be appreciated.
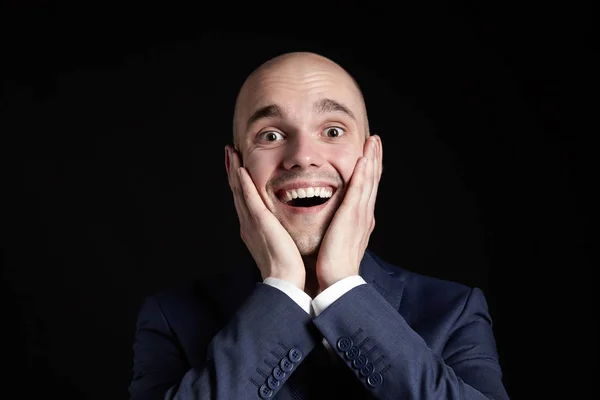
point(347, 237)
point(271, 246)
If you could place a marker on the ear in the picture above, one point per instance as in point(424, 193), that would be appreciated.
point(230, 152)
point(228, 155)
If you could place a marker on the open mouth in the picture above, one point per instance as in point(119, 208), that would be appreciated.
point(306, 197)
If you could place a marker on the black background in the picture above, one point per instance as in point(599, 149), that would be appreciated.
point(114, 120)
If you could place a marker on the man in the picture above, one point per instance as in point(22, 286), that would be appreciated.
point(319, 315)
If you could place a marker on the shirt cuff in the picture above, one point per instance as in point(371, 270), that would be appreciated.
point(294, 292)
point(334, 292)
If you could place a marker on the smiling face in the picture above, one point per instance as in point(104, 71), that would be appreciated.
point(300, 126)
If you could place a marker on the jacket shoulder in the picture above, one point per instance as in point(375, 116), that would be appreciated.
point(422, 281)
point(219, 293)
point(424, 295)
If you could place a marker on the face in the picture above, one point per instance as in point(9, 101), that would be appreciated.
point(301, 129)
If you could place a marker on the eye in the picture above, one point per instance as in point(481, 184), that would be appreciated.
point(334, 132)
point(271, 136)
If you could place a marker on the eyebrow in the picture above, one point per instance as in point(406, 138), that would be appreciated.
point(327, 105)
point(270, 111)
point(321, 107)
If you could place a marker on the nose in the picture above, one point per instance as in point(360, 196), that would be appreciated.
point(302, 152)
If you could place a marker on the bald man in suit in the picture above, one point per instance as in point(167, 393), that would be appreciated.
point(317, 314)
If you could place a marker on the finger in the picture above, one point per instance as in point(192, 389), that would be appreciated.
point(238, 198)
point(380, 155)
point(235, 185)
point(235, 165)
point(356, 184)
point(369, 173)
point(378, 161)
point(256, 206)
point(376, 174)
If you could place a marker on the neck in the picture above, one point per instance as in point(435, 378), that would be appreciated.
point(311, 285)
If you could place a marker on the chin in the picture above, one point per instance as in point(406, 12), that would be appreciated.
point(308, 244)
point(308, 250)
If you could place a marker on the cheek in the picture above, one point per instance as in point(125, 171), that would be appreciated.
point(344, 160)
point(260, 167)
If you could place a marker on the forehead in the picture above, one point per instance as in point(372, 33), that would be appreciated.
point(296, 86)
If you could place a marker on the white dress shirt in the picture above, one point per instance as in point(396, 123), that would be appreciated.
point(315, 306)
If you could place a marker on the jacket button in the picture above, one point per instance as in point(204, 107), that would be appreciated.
point(360, 362)
point(352, 353)
point(272, 383)
point(375, 379)
point(278, 373)
point(295, 354)
point(344, 344)
point(286, 365)
point(264, 392)
point(367, 369)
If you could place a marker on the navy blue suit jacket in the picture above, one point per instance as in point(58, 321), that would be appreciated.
point(400, 336)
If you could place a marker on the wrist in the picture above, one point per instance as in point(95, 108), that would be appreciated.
point(326, 282)
point(297, 280)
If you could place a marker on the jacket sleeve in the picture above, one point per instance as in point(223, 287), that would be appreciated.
point(394, 362)
point(249, 358)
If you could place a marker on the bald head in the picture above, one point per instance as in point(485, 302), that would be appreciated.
point(296, 75)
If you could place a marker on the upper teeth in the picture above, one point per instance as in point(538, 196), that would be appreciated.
point(307, 192)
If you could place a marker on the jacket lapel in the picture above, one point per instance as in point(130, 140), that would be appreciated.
point(387, 282)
